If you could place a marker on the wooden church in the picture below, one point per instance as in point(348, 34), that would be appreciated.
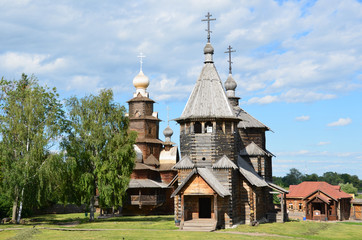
point(225, 172)
point(149, 189)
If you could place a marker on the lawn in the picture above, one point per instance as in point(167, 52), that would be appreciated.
point(162, 227)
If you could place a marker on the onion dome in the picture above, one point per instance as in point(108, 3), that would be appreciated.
point(168, 133)
point(141, 81)
point(208, 49)
point(230, 83)
point(230, 86)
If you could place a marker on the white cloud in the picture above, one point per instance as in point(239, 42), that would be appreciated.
point(292, 96)
point(323, 143)
point(90, 84)
point(264, 100)
point(340, 122)
point(302, 118)
point(30, 63)
point(164, 88)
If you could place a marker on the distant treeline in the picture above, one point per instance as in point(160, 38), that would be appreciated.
point(350, 182)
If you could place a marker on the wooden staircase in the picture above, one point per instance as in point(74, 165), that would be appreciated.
point(201, 225)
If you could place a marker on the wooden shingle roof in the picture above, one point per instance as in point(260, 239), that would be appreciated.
point(249, 173)
point(208, 98)
point(184, 163)
point(247, 121)
point(225, 163)
point(209, 178)
point(145, 183)
point(254, 150)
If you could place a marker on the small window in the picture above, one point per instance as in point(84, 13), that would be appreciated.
point(300, 206)
point(228, 127)
point(219, 126)
point(208, 126)
point(203, 159)
point(197, 127)
point(290, 205)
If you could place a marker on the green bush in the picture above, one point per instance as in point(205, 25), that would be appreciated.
point(5, 207)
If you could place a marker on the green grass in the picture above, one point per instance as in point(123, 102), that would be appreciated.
point(162, 227)
point(307, 230)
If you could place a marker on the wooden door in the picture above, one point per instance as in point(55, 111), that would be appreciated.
point(204, 207)
point(358, 212)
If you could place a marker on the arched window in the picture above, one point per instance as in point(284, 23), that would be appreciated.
point(197, 127)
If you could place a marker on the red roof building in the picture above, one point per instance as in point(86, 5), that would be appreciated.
point(318, 201)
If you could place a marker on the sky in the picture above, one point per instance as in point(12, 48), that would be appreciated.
point(298, 64)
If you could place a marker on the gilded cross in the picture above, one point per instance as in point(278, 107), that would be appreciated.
point(229, 61)
point(141, 57)
point(208, 19)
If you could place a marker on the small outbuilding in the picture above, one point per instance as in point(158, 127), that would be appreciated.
point(356, 211)
point(318, 201)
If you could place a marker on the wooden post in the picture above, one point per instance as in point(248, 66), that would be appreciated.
point(282, 205)
point(182, 209)
point(202, 127)
point(215, 207)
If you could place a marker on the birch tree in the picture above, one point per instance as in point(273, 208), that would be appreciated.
point(102, 147)
point(31, 119)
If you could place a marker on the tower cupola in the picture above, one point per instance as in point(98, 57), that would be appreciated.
point(141, 81)
point(168, 133)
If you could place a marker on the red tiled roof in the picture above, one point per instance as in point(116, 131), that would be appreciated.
point(323, 198)
point(304, 189)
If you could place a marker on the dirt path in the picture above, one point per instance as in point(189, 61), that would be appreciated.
point(118, 229)
point(261, 235)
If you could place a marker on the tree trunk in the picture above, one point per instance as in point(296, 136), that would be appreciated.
point(91, 212)
point(21, 205)
point(15, 208)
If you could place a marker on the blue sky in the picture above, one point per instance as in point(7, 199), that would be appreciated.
point(298, 64)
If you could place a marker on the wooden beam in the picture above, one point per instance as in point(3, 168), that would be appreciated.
point(182, 209)
point(215, 207)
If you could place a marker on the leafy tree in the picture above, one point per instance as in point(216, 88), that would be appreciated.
point(311, 177)
point(348, 188)
point(101, 147)
point(332, 178)
point(31, 119)
point(293, 177)
point(279, 181)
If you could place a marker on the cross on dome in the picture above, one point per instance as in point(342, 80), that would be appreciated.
point(141, 56)
point(229, 61)
point(208, 19)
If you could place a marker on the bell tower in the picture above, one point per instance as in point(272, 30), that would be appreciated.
point(143, 119)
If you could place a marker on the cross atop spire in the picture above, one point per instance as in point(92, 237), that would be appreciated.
point(208, 19)
point(168, 118)
point(141, 56)
point(229, 61)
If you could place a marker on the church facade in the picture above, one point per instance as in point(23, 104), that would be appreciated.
point(225, 171)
